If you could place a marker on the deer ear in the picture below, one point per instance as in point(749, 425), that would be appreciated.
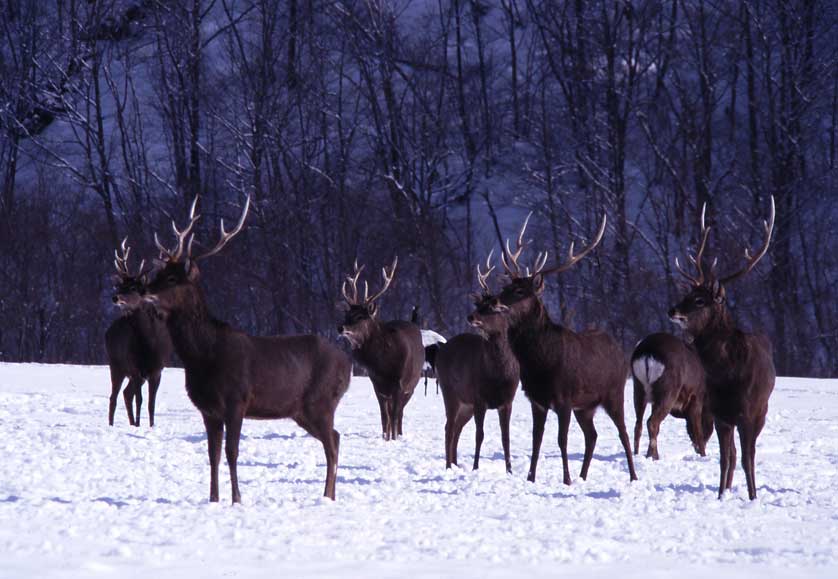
point(372, 309)
point(718, 292)
point(192, 271)
point(116, 279)
point(538, 284)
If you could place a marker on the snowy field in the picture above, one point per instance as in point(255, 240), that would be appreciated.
point(81, 499)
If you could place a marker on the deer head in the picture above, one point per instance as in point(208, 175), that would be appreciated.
point(705, 299)
point(361, 311)
point(522, 294)
point(488, 316)
point(177, 270)
point(128, 286)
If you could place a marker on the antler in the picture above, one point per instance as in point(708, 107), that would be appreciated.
point(388, 279)
point(353, 283)
point(121, 261)
point(175, 254)
point(225, 236)
point(482, 277)
point(751, 261)
point(697, 259)
point(513, 256)
point(572, 258)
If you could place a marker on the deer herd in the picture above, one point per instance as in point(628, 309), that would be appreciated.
point(718, 376)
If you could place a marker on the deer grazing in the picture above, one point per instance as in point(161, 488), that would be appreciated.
point(668, 373)
point(476, 373)
point(391, 351)
point(561, 369)
point(231, 375)
point(137, 343)
point(739, 366)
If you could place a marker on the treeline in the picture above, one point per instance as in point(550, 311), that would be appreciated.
point(428, 129)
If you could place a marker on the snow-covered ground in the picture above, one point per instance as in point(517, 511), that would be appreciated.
point(81, 499)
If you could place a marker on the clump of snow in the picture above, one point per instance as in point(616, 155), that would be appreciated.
point(79, 498)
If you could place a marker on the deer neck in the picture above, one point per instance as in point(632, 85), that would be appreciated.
point(369, 352)
point(195, 332)
point(500, 354)
point(719, 327)
point(530, 324)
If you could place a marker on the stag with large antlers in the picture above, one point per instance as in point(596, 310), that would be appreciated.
point(476, 373)
point(231, 375)
point(739, 365)
point(391, 351)
point(137, 343)
point(561, 369)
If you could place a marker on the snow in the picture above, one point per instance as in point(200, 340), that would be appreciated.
point(81, 499)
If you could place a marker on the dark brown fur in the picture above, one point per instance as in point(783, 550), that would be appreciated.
point(393, 354)
point(138, 348)
point(231, 375)
point(565, 371)
point(678, 389)
point(476, 373)
point(740, 376)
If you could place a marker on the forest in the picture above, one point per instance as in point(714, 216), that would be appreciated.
point(366, 129)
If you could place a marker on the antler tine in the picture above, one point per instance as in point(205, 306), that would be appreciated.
point(121, 261)
point(573, 259)
point(225, 235)
point(683, 272)
point(697, 260)
point(753, 260)
point(519, 248)
point(353, 282)
point(482, 277)
point(182, 235)
point(388, 279)
point(540, 261)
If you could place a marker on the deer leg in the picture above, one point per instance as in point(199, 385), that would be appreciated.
point(395, 414)
point(116, 382)
point(404, 400)
point(539, 417)
point(694, 427)
point(153, 385)
point(564, 426)
point(504, 414)
point(585, 418)
point(660, 409)
point(128, 396)
point(479, 415)
point(614, 409)
point(215, 430)
point(321, 427)
point(138, 399)
point(724, 432)
point(384, 407)
point(233, 425)
point(461, 418)
point(731, 461)
point(639, 411)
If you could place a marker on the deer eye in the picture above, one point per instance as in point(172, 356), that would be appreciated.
point(171, 279)
point(699, 302)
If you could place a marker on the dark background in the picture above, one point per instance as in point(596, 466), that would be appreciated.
point(423, 128)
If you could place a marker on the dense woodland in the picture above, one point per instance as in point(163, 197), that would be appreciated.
point(365, 128)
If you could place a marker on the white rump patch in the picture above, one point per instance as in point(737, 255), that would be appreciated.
point(647, 369)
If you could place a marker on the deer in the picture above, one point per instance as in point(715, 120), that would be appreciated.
point(392, 352)
point(667, 372)
point(739, 366)
point(137, 343)
point(231, 375)
point(476, 373)
point(561, 369)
